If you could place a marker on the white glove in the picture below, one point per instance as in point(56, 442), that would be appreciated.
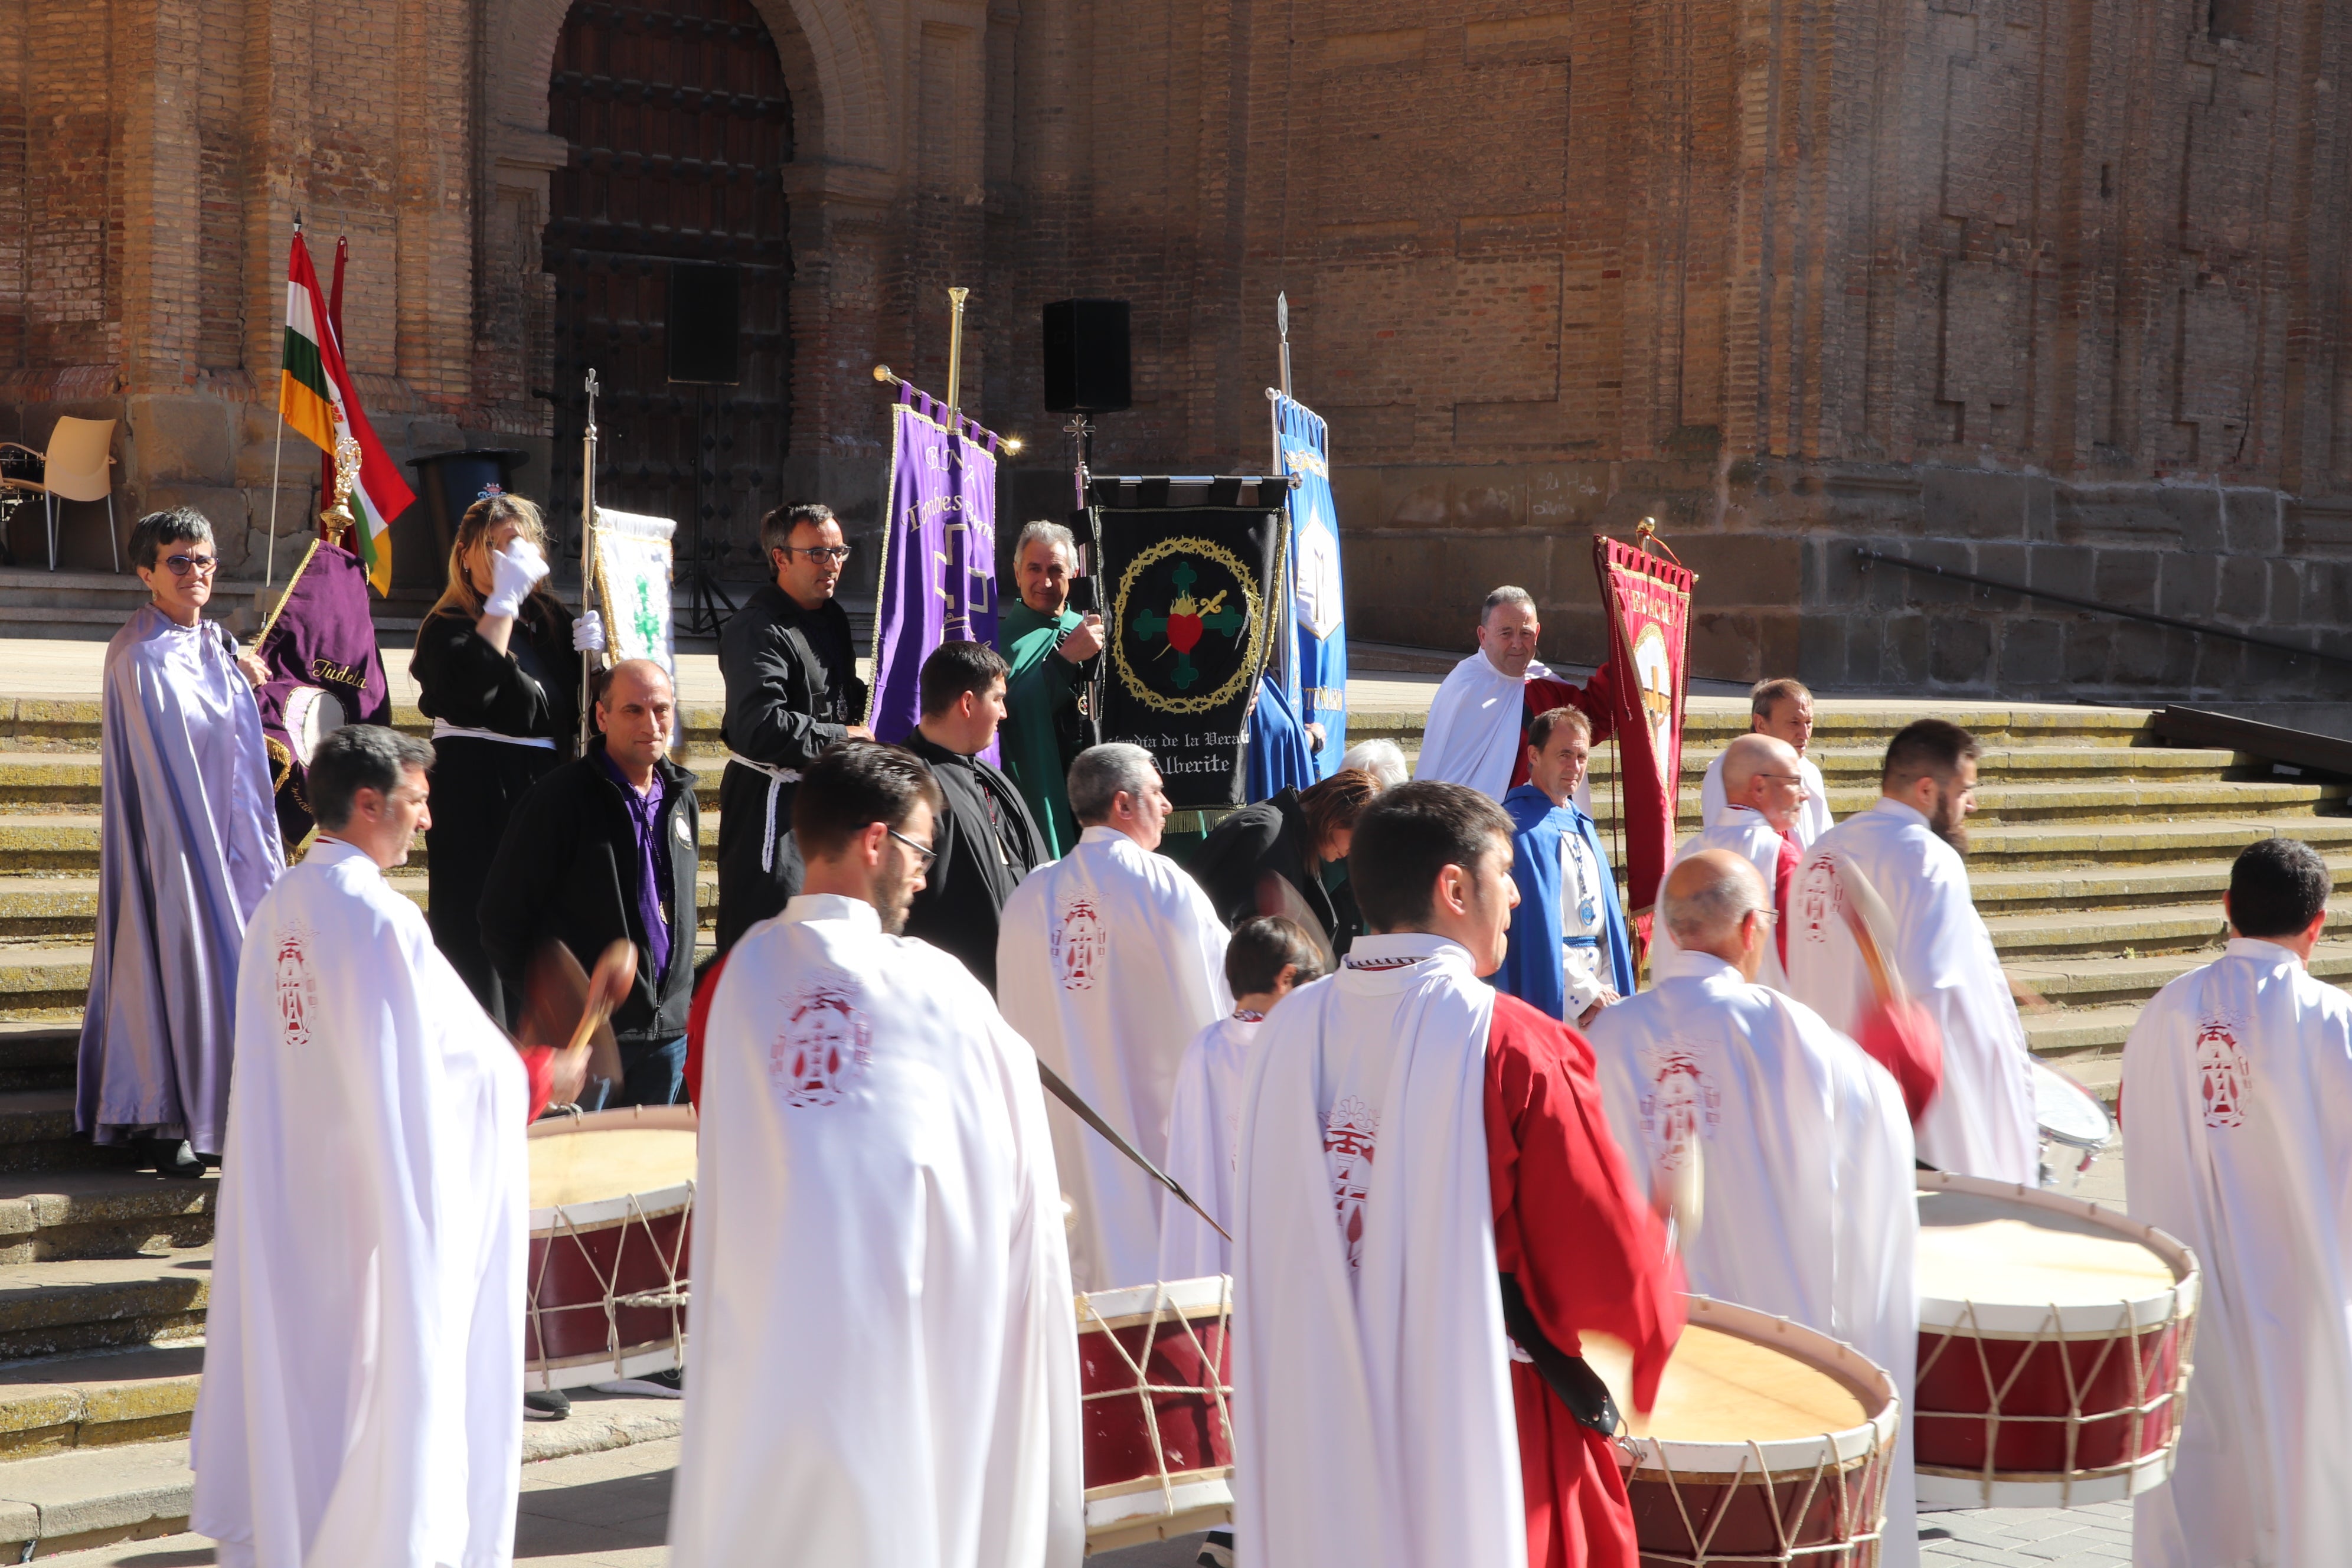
point(514, 571)
point(588, 633)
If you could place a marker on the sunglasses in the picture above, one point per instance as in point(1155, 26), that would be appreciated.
point(182, 565)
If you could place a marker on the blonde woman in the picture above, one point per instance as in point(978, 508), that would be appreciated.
point(497, 671)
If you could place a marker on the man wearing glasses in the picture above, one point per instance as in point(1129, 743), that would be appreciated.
point(1765, 792)
point(188, 845)
point(792, 689)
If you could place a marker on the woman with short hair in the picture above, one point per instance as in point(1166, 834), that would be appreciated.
point(497, 671)
point(1288, 856)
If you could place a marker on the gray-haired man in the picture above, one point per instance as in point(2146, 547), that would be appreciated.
point(792, 689)
point(1049, 649)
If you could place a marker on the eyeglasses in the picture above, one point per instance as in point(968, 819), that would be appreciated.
point(1784, 778)
point(925, 850)
point(182, 565)
point(836, 552)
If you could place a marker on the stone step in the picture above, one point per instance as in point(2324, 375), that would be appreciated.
point(36, 1134)
point(40, 978)
point(2113, 888)
point(2062, 1035)
point(2123, 933)
point(31, 779)
point(2114, 981)
point(134, 1395)
point(2052, 846)
point(81, 1305)
point(59, 1505)
point(1861, 765)
point(38, 1055)
point(55, 1216)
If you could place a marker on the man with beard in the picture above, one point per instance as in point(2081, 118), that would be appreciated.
point(792, 691)
point(886, 1358)
point(1049, 651)
point(1980, 1122)
point(1477, 733)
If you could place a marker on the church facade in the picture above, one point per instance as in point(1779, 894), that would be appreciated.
point(2054, 295)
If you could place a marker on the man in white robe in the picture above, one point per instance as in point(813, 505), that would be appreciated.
point(1783, 709)
point(1804, 1147)
point(1109, 962)
point(1477, 733)
point(2237, 1113)
point(886, 1358)
point(362, 1403)
point(1759, 826)
point(1980, 1120)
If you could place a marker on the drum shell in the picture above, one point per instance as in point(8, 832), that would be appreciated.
point(1185, 1357)
point(584, 1256)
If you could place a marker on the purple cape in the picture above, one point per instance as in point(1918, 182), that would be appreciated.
point(188, 845)
point(323, 638)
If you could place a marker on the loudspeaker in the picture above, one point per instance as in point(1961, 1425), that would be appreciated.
point(1086, 356)
point(705, 335)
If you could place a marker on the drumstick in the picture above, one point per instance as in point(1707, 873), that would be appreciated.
point(1679, 1193)
point(1869, 919)
point(620, 958)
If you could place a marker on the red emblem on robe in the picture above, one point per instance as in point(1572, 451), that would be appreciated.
point(1080, 944)
point(825, 1048)
point(1348, 1133)
point(2224, 1074)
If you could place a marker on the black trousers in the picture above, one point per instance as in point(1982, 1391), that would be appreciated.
point(474, 786)
point(748, 892)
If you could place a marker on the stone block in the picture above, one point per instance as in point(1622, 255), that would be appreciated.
point(2252, 522)
point(2005, 562)
point(1864, 652)
point(1724, 645)
point(178, 439)
point(1960, 651)
point(1821, 652)
point(1925, 589)
point(2039, 501)
point(1903, 652)
point(2126, 578)
point(1390, 580)
point(1973, 504)
point(2031, 653)
point(1744, 568)
point(1779, 641)
point(2060, 568)
point(2242, 592)
point(2285, 597)
point(2090, 650)
point(2186, 587)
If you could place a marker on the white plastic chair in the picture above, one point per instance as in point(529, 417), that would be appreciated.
point(75, 468)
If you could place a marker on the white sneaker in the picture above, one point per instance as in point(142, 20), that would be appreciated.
point(670, 1384)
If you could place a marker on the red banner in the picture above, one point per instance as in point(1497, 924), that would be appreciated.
point(1648, 599)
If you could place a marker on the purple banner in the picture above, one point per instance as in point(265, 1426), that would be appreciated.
point(939, 553)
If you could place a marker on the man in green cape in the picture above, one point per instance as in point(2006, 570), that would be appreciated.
point(1049, 647)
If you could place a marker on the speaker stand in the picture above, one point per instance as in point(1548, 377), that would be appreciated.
point(703, 594)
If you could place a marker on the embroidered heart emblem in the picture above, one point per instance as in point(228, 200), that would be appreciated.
point(1183, 632)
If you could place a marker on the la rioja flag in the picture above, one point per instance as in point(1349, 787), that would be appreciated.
point(1648, 599)
point(315, 396)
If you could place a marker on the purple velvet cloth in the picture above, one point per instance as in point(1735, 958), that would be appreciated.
point(188, 845)
point(323, 638)
point(653, 860)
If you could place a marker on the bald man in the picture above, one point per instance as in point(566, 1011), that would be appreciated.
point(1804, 1145)
point(1764, 794)
point(604, 849)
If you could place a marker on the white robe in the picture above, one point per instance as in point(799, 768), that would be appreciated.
point(885, 1354)
point(363, 1392)
point(1812, 817)
point(1109, 962)
point(1477, 724)
point(1746, 834)
point(1806, 1167)
point(1203, 1145)
point(1372, 1400)
point(1982, 1122)
point(2238, 1141)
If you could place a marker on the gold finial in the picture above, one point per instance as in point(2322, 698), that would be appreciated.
point(338, 520)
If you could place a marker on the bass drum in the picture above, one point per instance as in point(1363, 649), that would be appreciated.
point(312, 713)
point(612, 1230)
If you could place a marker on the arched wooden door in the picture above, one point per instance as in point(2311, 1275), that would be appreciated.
point(680, 126)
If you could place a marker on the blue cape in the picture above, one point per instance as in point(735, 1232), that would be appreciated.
point(1531, 970)
point(1278, 758)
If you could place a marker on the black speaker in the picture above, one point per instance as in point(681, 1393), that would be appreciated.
point(1086, 356)
point(705, 334)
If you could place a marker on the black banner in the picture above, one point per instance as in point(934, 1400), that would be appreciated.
point(1187, 570)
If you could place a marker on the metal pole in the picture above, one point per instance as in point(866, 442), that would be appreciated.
point(1282, 323)
point(270, 560)
point(956, 298)
point(588, 547)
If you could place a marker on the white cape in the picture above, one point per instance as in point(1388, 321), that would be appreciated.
point(363, 1391)
point(2238, 1141)
point(1109, 962)
point(1477, 724)
point(1373, 1396)
point(1812, 817)
point(885, 1368)
point(1806, 1167)
point(1203, 1145)
point(1747, 835)
point(1982, 1122)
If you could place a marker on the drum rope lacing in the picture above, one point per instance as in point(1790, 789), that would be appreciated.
point(1858, 1503)
point(671, 1296)
point(1217, 1388)
point(2147, 1404)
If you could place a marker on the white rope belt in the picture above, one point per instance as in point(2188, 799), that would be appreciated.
point(777, 778)
point(444, 730)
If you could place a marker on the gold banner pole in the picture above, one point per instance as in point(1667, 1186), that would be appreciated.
point(956, 298)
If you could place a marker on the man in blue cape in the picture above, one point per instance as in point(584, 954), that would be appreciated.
point(1569, 953)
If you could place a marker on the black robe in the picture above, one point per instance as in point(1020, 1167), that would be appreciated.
point(986, 842)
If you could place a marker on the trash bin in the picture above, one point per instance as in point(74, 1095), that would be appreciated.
point(449, 482)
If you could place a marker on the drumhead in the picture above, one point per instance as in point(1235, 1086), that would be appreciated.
point(590, 1173)
point(1210, 1297)
point(311, 713)
point(1996, 1259)
point(2067, 1112)
point(1743, 1382)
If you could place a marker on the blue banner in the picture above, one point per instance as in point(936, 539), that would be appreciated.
point(1315, 672)
point(938, 578)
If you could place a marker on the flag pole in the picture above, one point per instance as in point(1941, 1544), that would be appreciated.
point(588, 551)
point(956, 298)
point(269, 560)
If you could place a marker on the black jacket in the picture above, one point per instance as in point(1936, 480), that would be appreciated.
point(532, 689)
point(779, 709)
point(971, 875)
point(1271, 837)
point(568, 869)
